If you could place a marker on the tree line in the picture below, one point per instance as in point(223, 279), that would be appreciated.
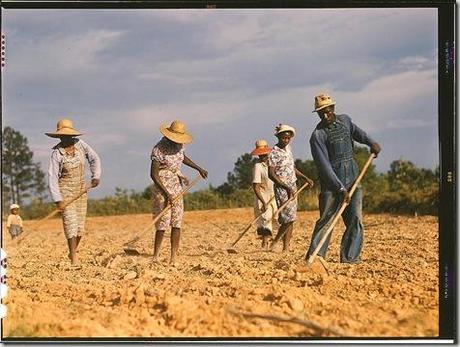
point(22, 178)
point(403, 189)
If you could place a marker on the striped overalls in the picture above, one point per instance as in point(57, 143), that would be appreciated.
point(71, 183)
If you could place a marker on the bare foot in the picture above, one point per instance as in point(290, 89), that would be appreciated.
point(75, 264)
point(173, 263)
point(264, 242)
point(156, 260)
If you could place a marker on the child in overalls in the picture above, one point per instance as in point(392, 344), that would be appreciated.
point(14, 222)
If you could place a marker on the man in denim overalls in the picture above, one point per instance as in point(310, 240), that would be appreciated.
point(332, 148)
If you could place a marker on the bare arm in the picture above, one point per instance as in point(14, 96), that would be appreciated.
point(187, 161)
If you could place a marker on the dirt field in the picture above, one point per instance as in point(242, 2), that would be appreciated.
point(392, 292)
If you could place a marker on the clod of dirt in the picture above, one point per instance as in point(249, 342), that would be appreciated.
point(296, 304)
point(139, 295)
point(281, 265)
point(130, 275)
point(113, 263)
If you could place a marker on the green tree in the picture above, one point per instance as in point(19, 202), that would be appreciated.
point(21, 177)
point(361, 155)
point(308, 167)
point(404, 175)
point(240, 177)
point(408, 189)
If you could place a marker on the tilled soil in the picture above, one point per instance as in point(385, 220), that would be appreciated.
point(393, 292)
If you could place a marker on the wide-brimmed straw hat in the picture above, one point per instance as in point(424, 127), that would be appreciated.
point(64, 128)
point(13, 206)
point(176, 132)
point(261, 148)
point(322, 101)
point(284, 127)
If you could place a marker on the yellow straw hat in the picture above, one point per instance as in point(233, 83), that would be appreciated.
point(176, 132)
point(322, 101)
point(64, 128)
point(261, 148)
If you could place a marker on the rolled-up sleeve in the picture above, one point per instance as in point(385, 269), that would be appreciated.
point(93, 160)
point(53, 177)
point(321, 158)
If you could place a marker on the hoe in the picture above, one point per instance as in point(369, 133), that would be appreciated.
point(231, 249)
point(129, 250)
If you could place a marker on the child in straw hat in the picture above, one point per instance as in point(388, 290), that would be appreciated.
point(284, 173)
point(167, 158)
point(14, 222)
point(66, 177)
point(264, 202)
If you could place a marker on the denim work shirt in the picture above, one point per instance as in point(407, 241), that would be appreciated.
point(332, 150)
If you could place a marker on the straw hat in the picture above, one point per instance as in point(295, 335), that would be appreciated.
point(13, 206)
point(322, 101)
point(261, 148)
point(176, 132)
point(282, 128)
point(64, 127)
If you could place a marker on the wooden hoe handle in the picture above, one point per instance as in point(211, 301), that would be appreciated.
point(55, 212)
point(340, 211)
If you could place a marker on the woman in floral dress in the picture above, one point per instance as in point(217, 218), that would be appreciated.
point(284, 174)
point(167, 158)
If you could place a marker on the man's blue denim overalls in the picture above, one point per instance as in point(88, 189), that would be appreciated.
point(340, 151)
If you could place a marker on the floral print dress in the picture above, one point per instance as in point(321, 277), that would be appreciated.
point(282, 161)
point(169, 156)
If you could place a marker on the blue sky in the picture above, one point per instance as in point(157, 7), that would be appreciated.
point(230, 75)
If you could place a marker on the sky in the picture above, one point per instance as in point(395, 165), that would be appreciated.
point(230, 75)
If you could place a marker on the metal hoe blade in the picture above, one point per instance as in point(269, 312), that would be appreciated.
point(131, 251)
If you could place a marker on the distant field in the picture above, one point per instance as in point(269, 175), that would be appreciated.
point(393, 292)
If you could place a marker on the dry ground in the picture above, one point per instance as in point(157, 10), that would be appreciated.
point(393, 292)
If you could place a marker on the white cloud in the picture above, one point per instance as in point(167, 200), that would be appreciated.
point(409, 95)
point(58, 56)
